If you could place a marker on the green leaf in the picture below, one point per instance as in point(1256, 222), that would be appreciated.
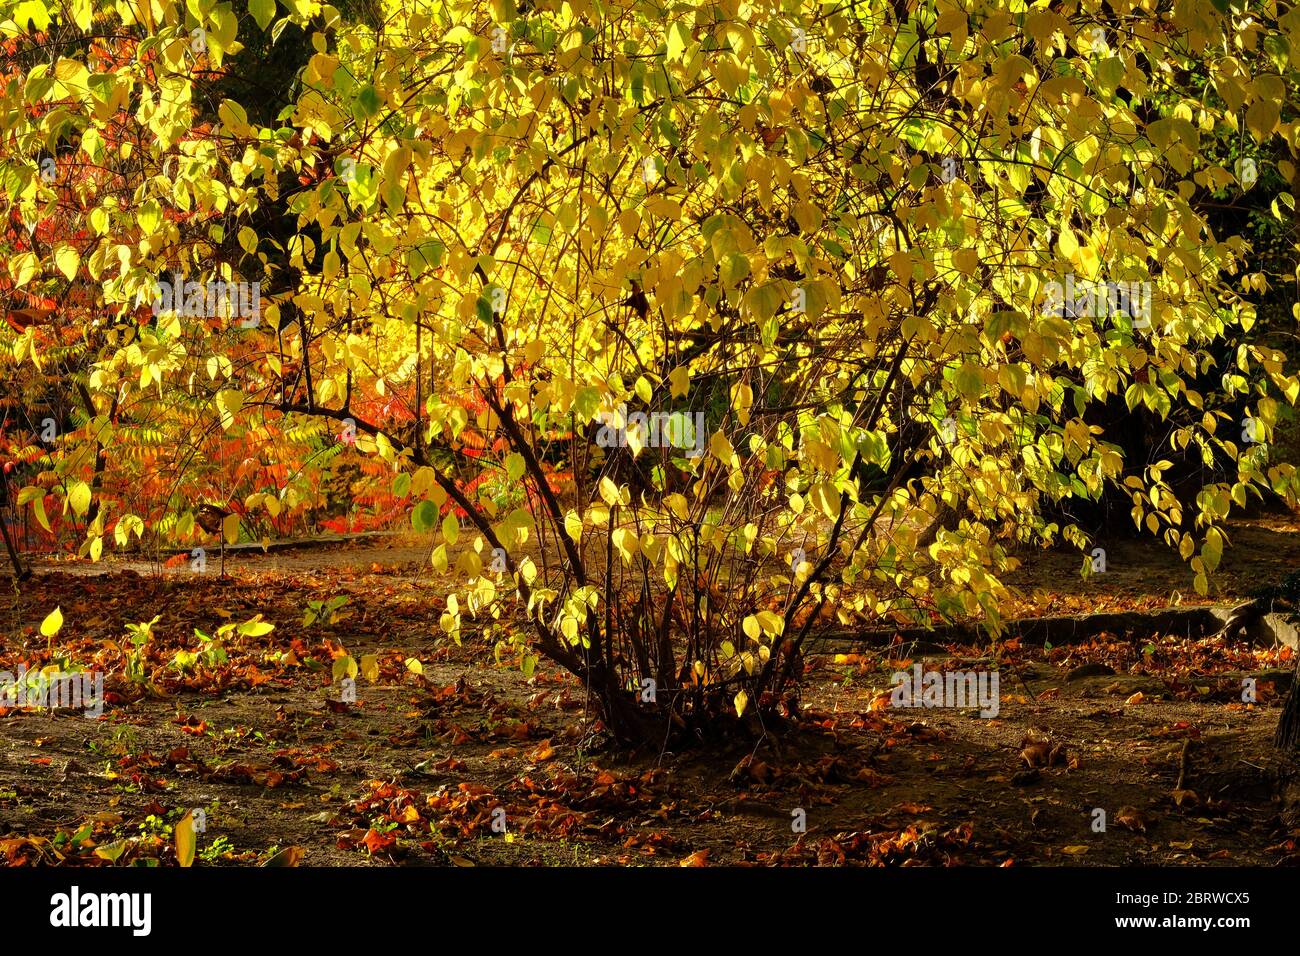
point(1212, 552)
point(763, 301)
point(424, 516)
point(427, 255)
point(368, 101)
point(969, 380)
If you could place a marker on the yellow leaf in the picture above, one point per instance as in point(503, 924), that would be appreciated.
point(721, 448)
point(67, 260)
point(569, 628)
point(664, 208)
point(679, 381)
point(185, 840)
point(1262, 118)
point(38, 506)
point(370, 667)
point(626, 543)
point(229, 402)
point(23, 267)
point(450, 528)
point(826, 499)
point(609, 491)
point(629, 220)
point(79, 497)
point(53, 621)
point(230, 527)
point(344, 666)
point(741, 702)
point(742, 399)
point(1067, 243)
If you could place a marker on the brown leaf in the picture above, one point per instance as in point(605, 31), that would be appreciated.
point(1132, 818)
point(913, 808)
point(289, 856)
point(542, 752)
point(1041, 753)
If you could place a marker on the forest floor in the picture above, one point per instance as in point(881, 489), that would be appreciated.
point(419, 769)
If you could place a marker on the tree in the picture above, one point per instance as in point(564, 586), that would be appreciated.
point(710, 321)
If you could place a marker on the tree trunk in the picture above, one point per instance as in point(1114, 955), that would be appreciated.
point(20, 573)
point(1288, 726)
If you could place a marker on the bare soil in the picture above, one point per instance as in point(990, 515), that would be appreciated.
point(429, 768)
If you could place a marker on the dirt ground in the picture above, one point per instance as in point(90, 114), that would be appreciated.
point(471, 763)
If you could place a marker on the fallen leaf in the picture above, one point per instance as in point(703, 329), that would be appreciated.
point(1041, 753)
point(289, 856)
point(1132, 818)
point(542, 752)
point(913, 808)
point(185, 843)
